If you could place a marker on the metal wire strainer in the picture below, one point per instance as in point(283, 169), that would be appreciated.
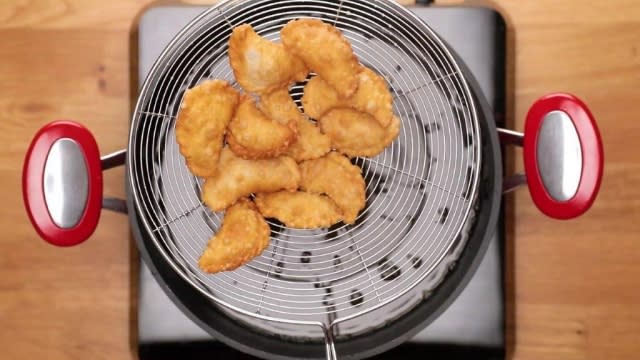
point(333, 282)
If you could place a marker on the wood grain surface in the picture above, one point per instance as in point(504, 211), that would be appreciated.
point(574, 286)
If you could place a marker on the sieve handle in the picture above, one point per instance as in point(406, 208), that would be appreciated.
point(563, 156)
point(329, 341)
point(62, 183)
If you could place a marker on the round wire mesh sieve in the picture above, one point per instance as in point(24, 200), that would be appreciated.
point(420, 191)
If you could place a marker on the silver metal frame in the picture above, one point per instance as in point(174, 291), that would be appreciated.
point(421, 43)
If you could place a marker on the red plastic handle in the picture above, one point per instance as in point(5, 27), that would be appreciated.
point(591, 151)
point(33, 183)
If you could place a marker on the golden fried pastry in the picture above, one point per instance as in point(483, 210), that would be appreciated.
point(260, 65)
point(301, 210)
point(319, 97)
point(311, 143)
point(237, 178)
point(373, 97)
point(205, 112)
point(253, 135)
point(244, 235)
point(355, 133)
point(324, 50)
point(335, 176)
point(279, 106)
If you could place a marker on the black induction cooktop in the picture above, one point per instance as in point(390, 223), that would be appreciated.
point(473, 327)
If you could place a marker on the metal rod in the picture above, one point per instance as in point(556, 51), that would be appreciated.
point(513, 182)
point(116, 205)
point(366, 268)
point(161, 226)
point(446, 76)
point(157, 114)
point(415, 177)
point(338, 13)
point(115, 159)
point(510, 137)
point(268, 275)
point(225, 18)
point(330, 344)
point(111, 161)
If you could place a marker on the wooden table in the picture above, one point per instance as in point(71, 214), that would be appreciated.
point(574, 287)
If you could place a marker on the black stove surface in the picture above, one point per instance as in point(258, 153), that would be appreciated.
point(471, 328)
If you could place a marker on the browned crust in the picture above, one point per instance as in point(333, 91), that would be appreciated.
point(250, 154)
point(300, 210)
point(189, 125)
point(238, 178)
point(237, 41)
point(335, 176)
point(288, 33)
point(380, 137)
point(245, 151)
point(243, 235)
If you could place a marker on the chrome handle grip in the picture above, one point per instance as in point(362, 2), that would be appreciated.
point(559, 156)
